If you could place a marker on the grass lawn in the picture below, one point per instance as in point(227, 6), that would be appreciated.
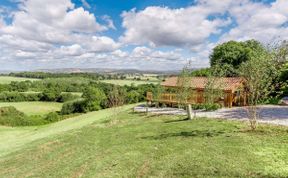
point(128, 82)
point(34, 108)
point(100, 144)
point(7, 79)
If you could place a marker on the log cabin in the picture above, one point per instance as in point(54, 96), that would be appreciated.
point(232, 89)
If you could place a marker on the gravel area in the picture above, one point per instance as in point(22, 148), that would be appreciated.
point(269, 113)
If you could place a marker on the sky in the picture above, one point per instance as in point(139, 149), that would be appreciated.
point(131, 34)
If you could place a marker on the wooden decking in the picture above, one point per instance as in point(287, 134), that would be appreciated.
point(228, 100)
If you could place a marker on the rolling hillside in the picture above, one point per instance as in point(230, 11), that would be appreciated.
point(120, 143)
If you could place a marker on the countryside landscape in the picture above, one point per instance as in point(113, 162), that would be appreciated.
point(144, 89)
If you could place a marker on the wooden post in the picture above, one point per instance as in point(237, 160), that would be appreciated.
point(230, 100)
point(189, 111)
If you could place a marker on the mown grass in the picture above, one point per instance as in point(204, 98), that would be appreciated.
point(128, 82)
point(8, 79)
point(103, 144)
point(34, 108)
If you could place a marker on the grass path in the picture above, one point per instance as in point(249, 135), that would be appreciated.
point(13, 139)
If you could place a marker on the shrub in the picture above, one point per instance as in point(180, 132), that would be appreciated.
point(79, 106)
point(95, 98)
point(50, 94)
point(132, 97)
point(9, 116)
point(206, 106)
point(52, 117)
point(18, 97)
point(64, 97)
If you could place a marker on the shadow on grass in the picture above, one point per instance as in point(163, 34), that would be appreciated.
point(194, 133)
point(179, 120)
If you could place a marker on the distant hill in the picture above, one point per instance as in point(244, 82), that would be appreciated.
point(106, 71)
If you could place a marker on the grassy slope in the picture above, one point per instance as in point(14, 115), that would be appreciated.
point(7, 79)
point(12, 139)
point(128, 82)
point(133, 145)
point(34, 108)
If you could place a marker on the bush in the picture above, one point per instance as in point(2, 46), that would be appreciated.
point(79, 106)
point(18, 97)
point(51, 94)
point(10, 116)
point(52, 117)
point(132, 97)
point(95, 98)
point(64, 97)
point(206, 106)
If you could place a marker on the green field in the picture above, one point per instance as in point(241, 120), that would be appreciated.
point(34, 108)
point(103, 144)
point(129, 82)
point(7, 79)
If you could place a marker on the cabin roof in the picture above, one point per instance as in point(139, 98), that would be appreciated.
point(224, 83)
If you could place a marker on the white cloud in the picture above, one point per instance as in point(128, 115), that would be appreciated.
point(73, 50)
point(53, 30)
point(119, 53)
point(259, 21)
point(56, 33)
point(162, 26)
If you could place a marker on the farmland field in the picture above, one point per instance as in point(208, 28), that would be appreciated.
point(7, 79)
point(128, 82)
point(105, 144)
point(34, 108)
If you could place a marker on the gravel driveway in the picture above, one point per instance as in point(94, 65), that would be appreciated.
point(269, 113)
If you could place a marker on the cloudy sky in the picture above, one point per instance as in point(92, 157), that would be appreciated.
point(139, 34)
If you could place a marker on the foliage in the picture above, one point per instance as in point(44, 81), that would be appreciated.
point(18, 97)
point(52, 117)
point(10, 116)
point(79, 106)
point(201, 72)
point(95, 98)
point(132, 97)
point(116, 96)
point(64, 97)
point(51, 94)
point(206, 106)
point(232, 54)
point(259, 73)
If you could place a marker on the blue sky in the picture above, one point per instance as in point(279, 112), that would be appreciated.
point(139, 34)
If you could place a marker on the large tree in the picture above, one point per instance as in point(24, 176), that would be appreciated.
point(232, 54)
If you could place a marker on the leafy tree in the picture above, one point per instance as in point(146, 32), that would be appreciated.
point(51, 94)
point(132, 97)
point(201, 72)
point(259, 73)
point(94, 97)
point(232, 54)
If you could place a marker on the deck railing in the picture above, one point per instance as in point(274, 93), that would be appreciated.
point(171, 98)
point(228, 100)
